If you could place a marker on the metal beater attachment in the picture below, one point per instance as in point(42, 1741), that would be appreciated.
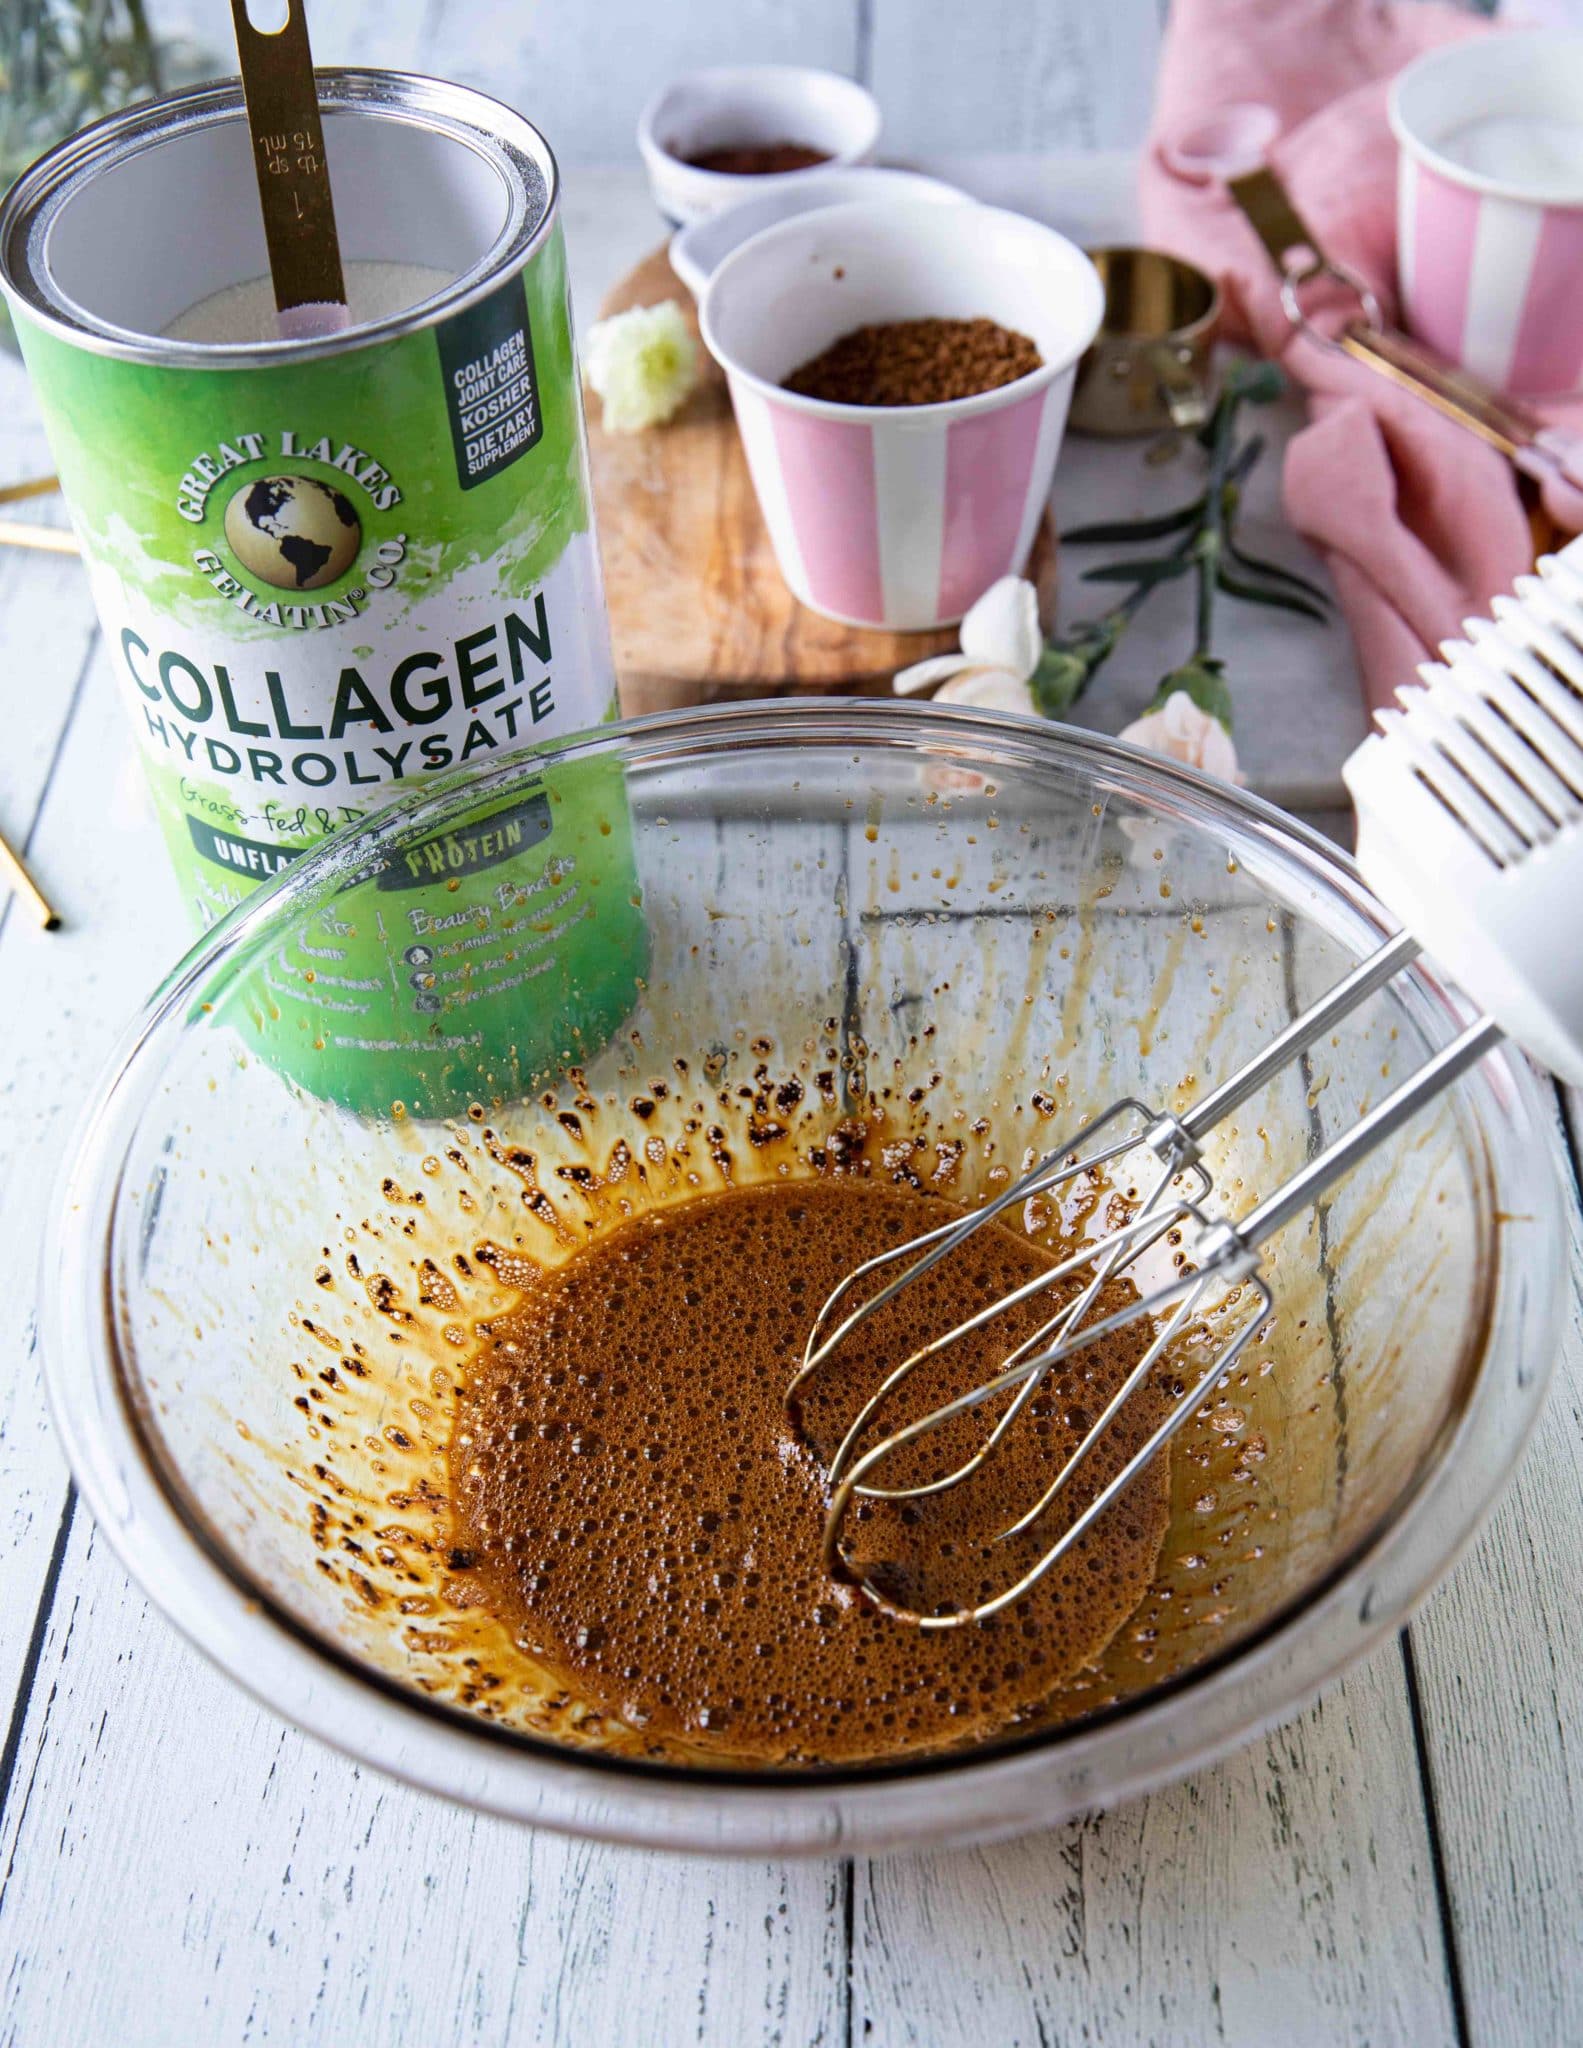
point(1470, 806)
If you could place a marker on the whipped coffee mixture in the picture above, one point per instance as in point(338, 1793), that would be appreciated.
point(631, 1497)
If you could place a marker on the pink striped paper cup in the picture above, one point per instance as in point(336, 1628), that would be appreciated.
point(899, 516)
point(1490, 207)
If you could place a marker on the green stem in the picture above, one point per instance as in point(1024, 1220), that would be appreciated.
point(1204, 615)
point(145, 45)
point(1203, 550)
point(1136, 599)
point(1210, 539)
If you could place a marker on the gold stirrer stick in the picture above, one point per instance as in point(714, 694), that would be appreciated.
point(24, 885)
point(31, 487)
point(22, 533)
point(27, 533)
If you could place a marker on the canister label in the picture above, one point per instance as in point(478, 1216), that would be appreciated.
point(322, 582)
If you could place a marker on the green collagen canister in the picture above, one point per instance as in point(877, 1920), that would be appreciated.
point(333, 570)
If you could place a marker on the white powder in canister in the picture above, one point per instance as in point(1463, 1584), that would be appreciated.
point(246, 311)
point(1545, 156)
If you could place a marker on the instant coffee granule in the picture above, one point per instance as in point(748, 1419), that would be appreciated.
point(916, 362)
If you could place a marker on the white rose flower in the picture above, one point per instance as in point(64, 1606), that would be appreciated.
point(1182, 732)
point(1001, 646)
point(995, 689)
point(642, 363)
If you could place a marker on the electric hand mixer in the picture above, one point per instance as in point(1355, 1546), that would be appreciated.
point(1470, 830)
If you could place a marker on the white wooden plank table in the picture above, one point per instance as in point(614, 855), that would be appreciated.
point(1402, 1863)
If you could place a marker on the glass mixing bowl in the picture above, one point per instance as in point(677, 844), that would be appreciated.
point(957, 934)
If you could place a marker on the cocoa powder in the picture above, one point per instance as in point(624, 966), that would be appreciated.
point(758, 159)
point(916, 362)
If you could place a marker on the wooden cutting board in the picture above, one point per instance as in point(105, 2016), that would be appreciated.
point(698, 611)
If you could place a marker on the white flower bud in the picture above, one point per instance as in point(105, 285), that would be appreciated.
point(1002, 628)
point(642, 363)
point(1001, 641)
point(1182, 732)
point(993, 689)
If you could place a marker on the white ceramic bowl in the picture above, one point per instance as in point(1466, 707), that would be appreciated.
point(748, 103)
point(699, 250)
point(899, 516)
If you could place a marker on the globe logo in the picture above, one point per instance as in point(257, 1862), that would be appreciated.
point(293, 531)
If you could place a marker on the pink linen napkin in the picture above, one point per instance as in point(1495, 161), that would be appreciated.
point(1420, 523)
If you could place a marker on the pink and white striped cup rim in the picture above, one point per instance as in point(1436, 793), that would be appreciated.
point(1490, 262)
point(1447, 57)
point(825, 408)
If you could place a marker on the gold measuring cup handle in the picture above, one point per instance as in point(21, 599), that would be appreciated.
point(1537, 449)
point(1179, 375)
point(1321, 267)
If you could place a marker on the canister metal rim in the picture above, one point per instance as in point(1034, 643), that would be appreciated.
point(506, 138)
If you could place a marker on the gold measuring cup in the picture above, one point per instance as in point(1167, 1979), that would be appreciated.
point(1148, 369)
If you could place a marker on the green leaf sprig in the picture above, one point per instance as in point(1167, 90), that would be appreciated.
point(1204, 540)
